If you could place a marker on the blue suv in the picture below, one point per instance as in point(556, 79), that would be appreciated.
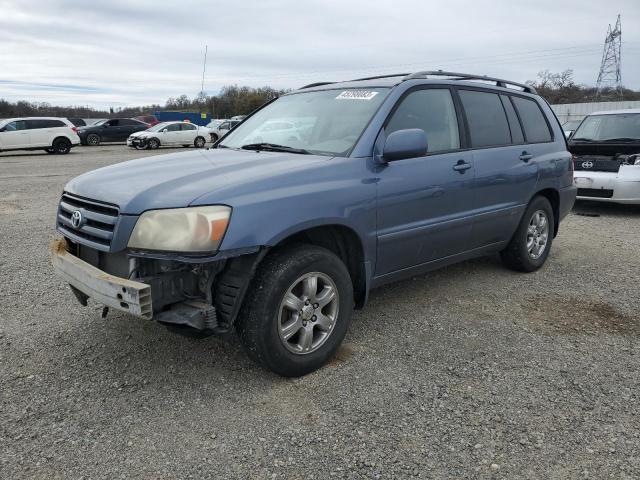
point(284, 226)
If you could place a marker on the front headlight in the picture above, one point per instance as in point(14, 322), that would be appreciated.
point(192, 230)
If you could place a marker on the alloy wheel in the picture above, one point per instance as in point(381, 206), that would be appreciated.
point(308, 313)
point(537, 234)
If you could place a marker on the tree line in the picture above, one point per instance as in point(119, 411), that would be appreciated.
point(233, 100)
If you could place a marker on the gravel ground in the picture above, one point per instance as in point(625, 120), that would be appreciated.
point(473, 371)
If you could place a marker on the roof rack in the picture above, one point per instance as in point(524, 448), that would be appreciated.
point(391, 75)
point(466, 76)
point(317, 84)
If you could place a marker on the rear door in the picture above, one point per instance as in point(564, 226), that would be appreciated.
point(505, 175)
point(188, 133)
point(15, 135)
point(424, 204)
point(44, 131)
point(129, 126)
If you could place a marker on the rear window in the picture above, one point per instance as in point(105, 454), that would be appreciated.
point(486, 118)
point(536, 129)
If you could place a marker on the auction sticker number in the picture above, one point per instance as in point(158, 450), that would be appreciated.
point(356, 95)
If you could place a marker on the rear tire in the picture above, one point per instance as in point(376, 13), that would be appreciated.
point(199, 142)
point(314, 335)
point(530, 245)
point(93, 140)
point(61, 146)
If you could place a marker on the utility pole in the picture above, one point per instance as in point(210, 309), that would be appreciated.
point(204, 68)
point(610, 76)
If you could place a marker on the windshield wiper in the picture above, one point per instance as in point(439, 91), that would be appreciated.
point(622, 140)
point(581, 139)
point(272, 147)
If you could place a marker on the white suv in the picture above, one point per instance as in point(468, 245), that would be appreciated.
point(54, 135)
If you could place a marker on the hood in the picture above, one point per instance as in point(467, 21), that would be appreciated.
point(140, 133)
point(179, 179)
point(579, 148)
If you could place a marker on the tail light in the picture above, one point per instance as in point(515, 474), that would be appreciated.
point(75, 129)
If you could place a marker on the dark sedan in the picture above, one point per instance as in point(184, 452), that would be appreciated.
point(112, 130)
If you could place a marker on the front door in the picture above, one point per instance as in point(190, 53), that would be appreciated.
point(15, 135)
point(425, 203)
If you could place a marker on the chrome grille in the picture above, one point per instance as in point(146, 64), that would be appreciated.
point(98, 221)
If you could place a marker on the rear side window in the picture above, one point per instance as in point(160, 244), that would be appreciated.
point(431, 110)
point(127, 122)
point(44, 123)
point(488, 125)
point(535, 126)
point(514, 123)
point(188, 126)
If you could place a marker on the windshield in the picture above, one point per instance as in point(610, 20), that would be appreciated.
point(158, 126)
point(571, 124)
point(600, 128)
point(327, 122)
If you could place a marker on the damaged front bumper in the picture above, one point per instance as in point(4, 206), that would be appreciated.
point(114, 292)
point(616, 187)
point(201, 293)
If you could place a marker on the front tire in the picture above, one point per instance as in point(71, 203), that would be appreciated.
point(93, 140)
point(298, 310)
point(153, 143)
point(529, 248)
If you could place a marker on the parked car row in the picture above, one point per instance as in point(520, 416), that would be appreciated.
point(59, 135)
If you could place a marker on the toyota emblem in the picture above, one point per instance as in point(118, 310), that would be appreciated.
point(76, 219)
point(587, 164)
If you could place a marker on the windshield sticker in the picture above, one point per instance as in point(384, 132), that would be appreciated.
point(356, 95)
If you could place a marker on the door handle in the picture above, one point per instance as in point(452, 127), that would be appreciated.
point(461, 166)
point(525, 157)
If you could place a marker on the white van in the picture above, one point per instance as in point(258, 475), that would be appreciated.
point(54, 135)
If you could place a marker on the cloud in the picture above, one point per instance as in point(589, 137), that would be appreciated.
point(121, 53)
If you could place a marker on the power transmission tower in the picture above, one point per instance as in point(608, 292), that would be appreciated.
point(610, 77)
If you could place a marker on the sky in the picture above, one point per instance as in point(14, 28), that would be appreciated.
point(122, 53)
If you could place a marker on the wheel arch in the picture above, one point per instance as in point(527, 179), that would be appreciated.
point(553, 196)
point(344, 242)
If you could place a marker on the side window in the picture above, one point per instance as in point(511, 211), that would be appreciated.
point(431, 110)
point(514, 123)
point(486, 118)
point(188, 126)
point(224, 126)
point(45, 123)
point(535, 126)
point(174, 127)
point(113, 123)
point(17, 125)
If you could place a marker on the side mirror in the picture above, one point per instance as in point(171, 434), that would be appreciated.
point(165, 130)
point(402, 144)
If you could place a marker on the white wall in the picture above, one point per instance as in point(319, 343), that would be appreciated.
point(577, 111)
